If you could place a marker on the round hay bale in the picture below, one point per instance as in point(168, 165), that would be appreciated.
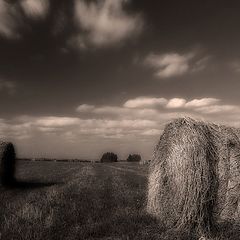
point(194, 176)
point(7, 159)
point(144, 161)
point(109, 157)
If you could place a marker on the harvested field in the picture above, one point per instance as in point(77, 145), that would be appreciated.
point(81, 201)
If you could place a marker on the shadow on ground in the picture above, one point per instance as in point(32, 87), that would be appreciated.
point(32, 184)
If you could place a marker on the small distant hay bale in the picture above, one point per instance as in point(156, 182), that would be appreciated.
point(145, 161)
point(7, 159)
point(134, 158)
point(109, 157)
point(194, 178)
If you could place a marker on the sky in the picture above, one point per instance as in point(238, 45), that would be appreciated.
point(78, 78)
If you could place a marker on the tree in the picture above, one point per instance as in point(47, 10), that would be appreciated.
point(134, 158)
point(109, 157)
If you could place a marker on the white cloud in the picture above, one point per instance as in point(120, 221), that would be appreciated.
point(145, 102)
point(153, 102)
point(56, 121)
point(9, 20)
point(115, 110)
point(35, 8)
point(71, 127)
point(137, 124)
point(119, 122)
point(201, 102)
point(205, 106)
point(151, 132)
point(153, 108)
point(176, 103)
point(126, 113)
point(175, 64)
point(169, 65)
point(104, 126)
point(15, 130)
point(85, 108)
point(12, 19)
point(234, 109)
point(104, 22)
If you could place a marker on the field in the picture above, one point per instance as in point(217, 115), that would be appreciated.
point(56, 200)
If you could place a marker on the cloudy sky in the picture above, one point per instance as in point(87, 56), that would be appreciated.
point(78, 78)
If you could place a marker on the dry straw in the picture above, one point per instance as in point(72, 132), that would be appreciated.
point(194, 178)
point(7, 163)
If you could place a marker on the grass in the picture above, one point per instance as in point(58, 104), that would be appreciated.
point(81, 201)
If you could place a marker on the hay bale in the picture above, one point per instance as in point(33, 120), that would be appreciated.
point(237, 132)
point(7, 159)
point(145, 161)
point(134, 158)
point(109, 157)
point(194, 178)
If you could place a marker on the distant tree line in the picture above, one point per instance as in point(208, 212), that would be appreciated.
point(109, 157)
point(134, 158)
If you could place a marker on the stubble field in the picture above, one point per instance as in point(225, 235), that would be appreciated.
point(56, 200)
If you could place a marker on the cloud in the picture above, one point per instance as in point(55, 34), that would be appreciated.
point(13, 130)
point(73, 127)
point(153, 108)
point(119, 122)
point(201, 102)
point(7, 86)
point(169, 65)
point(99, 23)
point(174, 64)
point(35, 9)
point(152, 132)
point(153, 102)
point(85, 108)
point(143, 102)
point(162, 109)
point(234, 109)
point(201, 63)
point(126, 113)
point(203, 105)
point(115, 110)
point(176, 103)
point(9, 20)
point(104, 23)
point(102, 127)
point(12, 20)
point(56, 121)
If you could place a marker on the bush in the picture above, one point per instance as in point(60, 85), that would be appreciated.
point(109, 157)
point(134, 158)
point(7, 158)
